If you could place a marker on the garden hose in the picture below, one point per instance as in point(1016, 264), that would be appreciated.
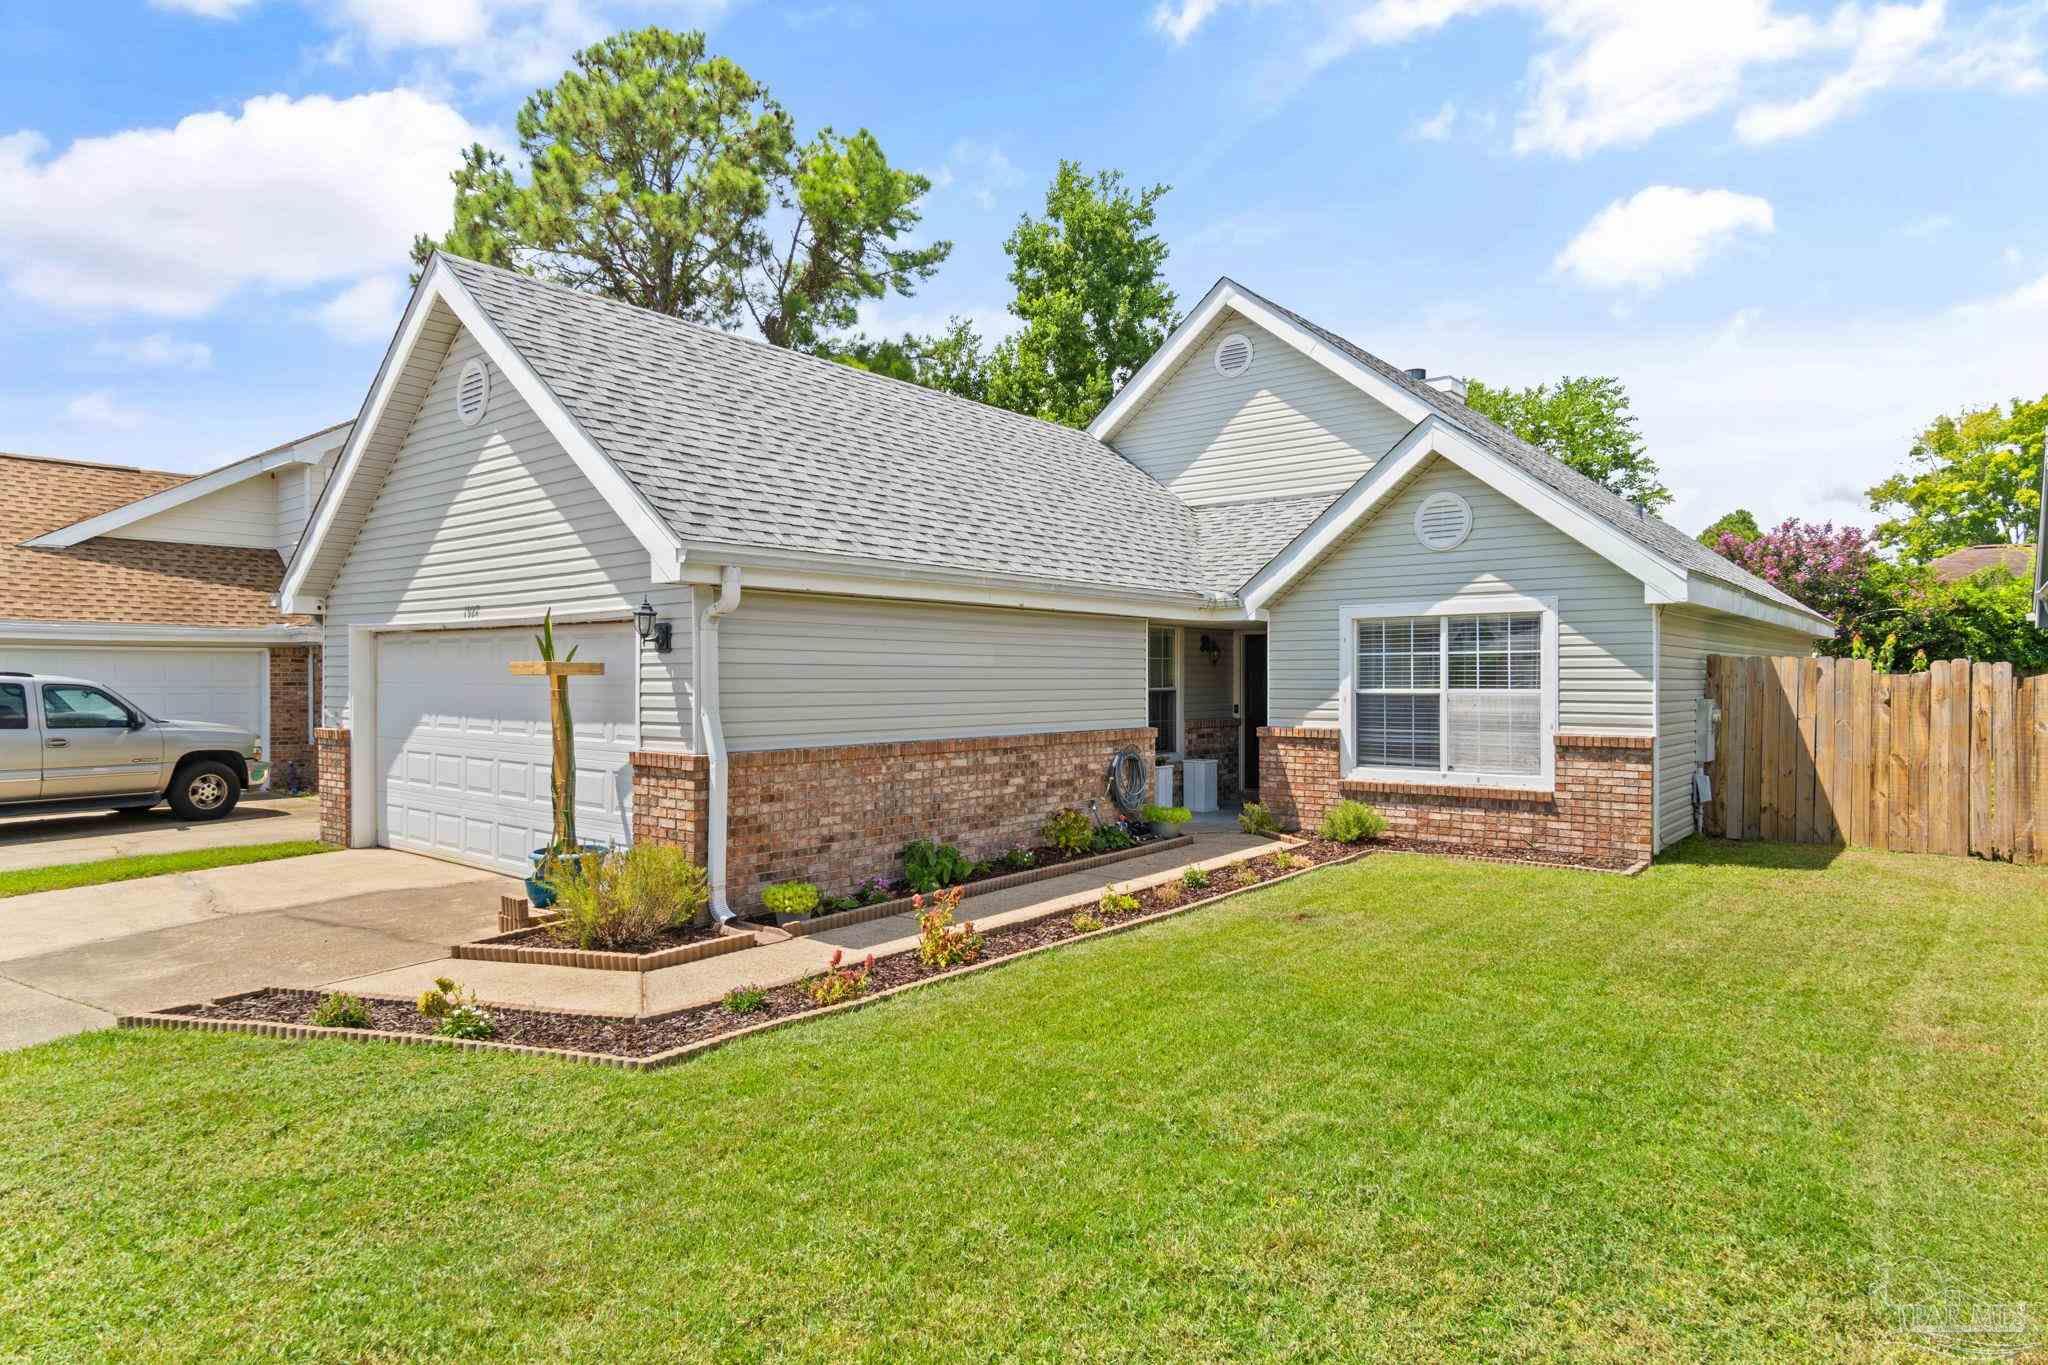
point(1126, 780)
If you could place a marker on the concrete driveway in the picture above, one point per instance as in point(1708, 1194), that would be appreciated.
point(74, 960)
point(43, 840)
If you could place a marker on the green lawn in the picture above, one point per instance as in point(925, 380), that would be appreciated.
point(1408, 1109)
point(63, 876)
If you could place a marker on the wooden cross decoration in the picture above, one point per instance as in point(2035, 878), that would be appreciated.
point(563, 779)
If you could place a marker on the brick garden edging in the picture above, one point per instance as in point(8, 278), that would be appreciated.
point(494, 949)
point(309, 1032)
point(818, 924)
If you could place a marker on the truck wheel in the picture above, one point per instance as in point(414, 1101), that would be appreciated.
point(205, 790)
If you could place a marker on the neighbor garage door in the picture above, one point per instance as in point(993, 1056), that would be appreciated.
point(223, 685)
point(463, 746)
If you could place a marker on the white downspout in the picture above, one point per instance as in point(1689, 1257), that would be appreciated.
point(714, 737)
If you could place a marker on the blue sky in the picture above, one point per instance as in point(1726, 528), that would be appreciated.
point(1796, 232)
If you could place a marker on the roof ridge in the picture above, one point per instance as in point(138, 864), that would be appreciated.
point(719, 333)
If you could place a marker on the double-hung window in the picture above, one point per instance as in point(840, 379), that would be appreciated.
point(1451, 693)
point(1162, 680)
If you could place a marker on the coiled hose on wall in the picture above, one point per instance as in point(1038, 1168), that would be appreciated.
point(1126, 780)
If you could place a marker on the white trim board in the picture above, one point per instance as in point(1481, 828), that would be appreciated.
point(119, 633)
point(307, 450)
point(302, 589)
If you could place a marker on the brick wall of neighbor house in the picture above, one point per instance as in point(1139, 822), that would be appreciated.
point(332, 748)
point(1215, 739)
point(292, 763)
point(670, 796)
point(838, 815)
point(1600, 811)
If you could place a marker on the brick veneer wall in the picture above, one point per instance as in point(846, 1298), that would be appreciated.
point(291, 748)
point(837, 815)
point(1215, 739)
point(671, 795)
point(332, 748)
point(1601, 809)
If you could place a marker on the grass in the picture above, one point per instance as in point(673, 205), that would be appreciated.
point(62, 876)
point(1409, 1109)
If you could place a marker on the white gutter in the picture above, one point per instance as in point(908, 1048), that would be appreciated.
point(714, 737)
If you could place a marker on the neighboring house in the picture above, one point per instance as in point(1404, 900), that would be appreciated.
point(164, 586)
point(898, 614)
point(1956, 565)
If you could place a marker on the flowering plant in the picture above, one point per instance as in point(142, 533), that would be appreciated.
point(941, 943)
point(838, 984)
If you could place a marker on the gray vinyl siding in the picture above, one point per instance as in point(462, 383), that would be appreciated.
point(242, 514)
point(803, 670)
point(494, 518)
point(1686, 636)
point(668, 695)
point(1205, 686)
point(1604, 633)
point(1285, 427)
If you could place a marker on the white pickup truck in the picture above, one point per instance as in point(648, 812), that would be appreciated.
point(72, 744)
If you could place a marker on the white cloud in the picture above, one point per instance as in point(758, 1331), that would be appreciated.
point(507, 43)
point(283, 195)
point(98, 409)
point(1660, 234)
point(1615, 73)
point(983, 168)
point(2012, 256)
point(1933, 225)
point(205, 9)
point(158, 351)
point(366, 311)
point(1437, 127)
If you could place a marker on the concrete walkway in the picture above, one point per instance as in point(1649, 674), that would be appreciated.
point(45, 840)
point(74, 960)
point(776, 964)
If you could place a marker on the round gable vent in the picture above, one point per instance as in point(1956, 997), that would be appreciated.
point(1443, 521)
point(472, 393)
point(1233, 355)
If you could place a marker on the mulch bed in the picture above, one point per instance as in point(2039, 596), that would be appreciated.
point(1042, 855)
point(1445, 848)
point(664, 939)
point(623, 1037)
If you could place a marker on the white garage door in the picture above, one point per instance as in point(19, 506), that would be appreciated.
point(222, 685)
point(463, 746)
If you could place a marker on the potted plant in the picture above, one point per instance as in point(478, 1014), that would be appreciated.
point(1166, 820)
point(562, 779)
point(788, 902)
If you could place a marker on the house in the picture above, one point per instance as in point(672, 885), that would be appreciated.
point(1956, 565)
point(891, 613)
point(164, 585)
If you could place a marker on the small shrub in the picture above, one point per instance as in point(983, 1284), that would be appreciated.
point(790, 898)
point(745, 1000)
point(837, 904)
point(927, 866)
point(1167, 815)
point(1256, 819)
point(454, 1011)
point(1084, 922)
point(1195, 878)
point(941, 943)
point(985, 868)
point(838, 984)
point(625, 898)
point(1017, 859)
point(1288, 862)
point(1110, 838)
point(1069, 831)
point(340, 1010)
point(1352, 822)
point(873, 891)
point(1116, 902)
point(1168, 894)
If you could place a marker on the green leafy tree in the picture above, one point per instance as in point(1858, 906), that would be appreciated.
point(1091, 296)
point(1586, 423)
point(1738, 523)
point(667, 177)
point(1918, 618)
point(951, 361)
point(1973, 479)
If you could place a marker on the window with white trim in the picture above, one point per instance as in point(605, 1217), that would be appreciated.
point(1467, 696)
point(1162, 680)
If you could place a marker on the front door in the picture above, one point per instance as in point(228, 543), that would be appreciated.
point(1254, 708)
point(93, 745)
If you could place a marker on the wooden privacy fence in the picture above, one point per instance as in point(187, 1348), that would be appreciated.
point(1819, 751)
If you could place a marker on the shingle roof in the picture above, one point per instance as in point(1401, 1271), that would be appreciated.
point(1646, 530)
point(1237, 539)
point(739, 443)
point(1957, 565)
